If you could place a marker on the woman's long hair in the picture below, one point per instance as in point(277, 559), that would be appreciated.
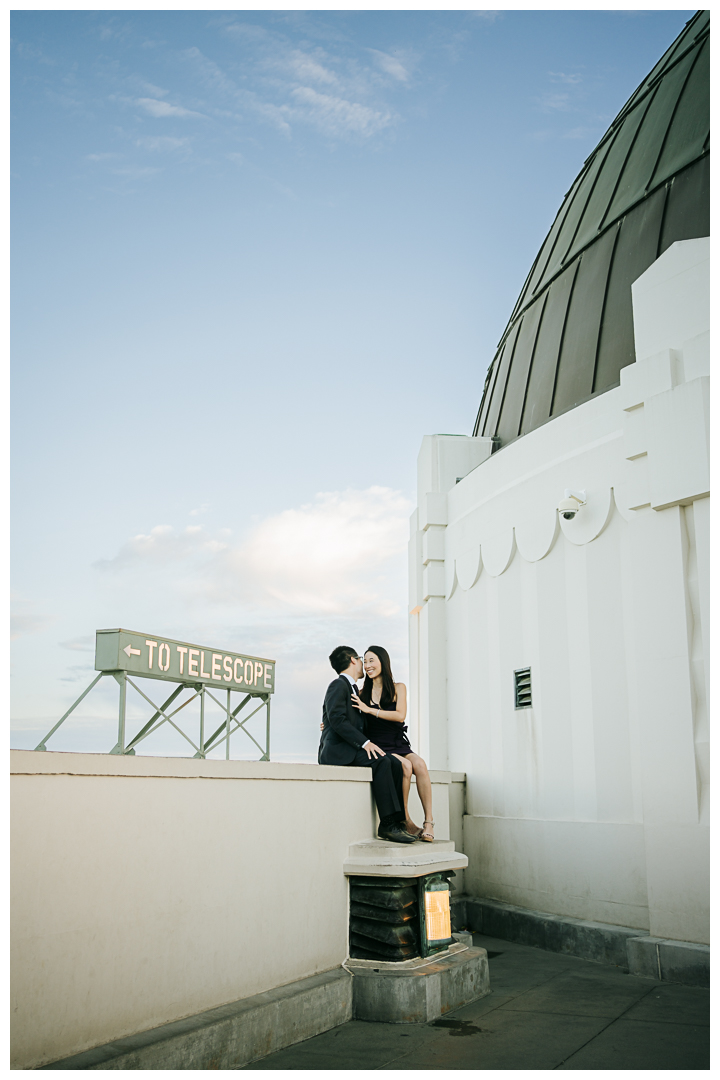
point(387, 676)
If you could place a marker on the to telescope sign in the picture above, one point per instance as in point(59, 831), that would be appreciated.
point(155, 657)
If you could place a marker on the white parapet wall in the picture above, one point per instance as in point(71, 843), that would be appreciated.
point(146, 890)
point(593, 802)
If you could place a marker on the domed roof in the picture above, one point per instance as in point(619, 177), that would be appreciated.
point(645, 186)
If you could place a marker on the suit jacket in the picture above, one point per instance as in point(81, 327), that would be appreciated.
point(344, 731)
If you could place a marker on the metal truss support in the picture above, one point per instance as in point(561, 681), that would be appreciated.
point(41, 745)
point(158, 712)
point(122, 680)
point(232, 722)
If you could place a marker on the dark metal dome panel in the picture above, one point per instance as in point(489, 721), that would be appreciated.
point(645, 186)
point(687, 214)
point(635, 250)
point(542, 374)
point(698, 25)
point(576, 363)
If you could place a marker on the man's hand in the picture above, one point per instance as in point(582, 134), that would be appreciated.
point(373, 751)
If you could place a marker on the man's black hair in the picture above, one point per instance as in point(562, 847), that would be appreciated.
point(340, 658)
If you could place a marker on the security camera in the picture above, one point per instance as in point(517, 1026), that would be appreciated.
point(570, 505)
point(568, 508)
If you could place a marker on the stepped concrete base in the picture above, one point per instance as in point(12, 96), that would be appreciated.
point(417, 991)
point(232, 1035)
point(621, 946)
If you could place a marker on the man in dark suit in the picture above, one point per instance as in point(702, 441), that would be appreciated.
point(343, 742)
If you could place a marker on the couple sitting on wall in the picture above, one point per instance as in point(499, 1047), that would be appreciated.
point(367, 727)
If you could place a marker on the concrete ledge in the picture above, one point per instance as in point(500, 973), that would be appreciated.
point(643, 959)
point(69, 763)
point(601, 942)
point(416, 993)
point(685, 962)
point(63, 763)
point(233, 1035)
point(621, 946)
point(670, 961)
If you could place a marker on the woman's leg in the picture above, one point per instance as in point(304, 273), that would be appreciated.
point(407, 774)
point(424, 787)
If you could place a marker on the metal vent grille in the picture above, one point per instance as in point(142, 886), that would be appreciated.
point(523, 688)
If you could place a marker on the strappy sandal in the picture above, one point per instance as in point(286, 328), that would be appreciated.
point(427, 834)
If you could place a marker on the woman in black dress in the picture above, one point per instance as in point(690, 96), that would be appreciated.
point(385, 704)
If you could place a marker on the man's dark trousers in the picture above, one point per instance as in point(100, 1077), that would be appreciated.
point(387, 778)
point(341, 744)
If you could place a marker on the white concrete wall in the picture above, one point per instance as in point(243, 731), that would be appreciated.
point(148, 889)
point(593, 803)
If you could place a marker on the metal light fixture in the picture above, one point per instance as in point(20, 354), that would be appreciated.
point(400, 918)
point(434, 911)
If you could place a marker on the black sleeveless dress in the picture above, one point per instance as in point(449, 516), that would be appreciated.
point(389, 735)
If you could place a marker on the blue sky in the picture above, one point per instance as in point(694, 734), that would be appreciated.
point(256, 257)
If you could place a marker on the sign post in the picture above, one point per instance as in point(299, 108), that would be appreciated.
point(198, 668)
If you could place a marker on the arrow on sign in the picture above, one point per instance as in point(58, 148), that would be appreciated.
point(129, 649)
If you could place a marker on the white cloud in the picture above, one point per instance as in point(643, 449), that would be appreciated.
point(79, 644)
point(214, 80)
point(162, 143)
point(336, 116)
point(329, 556)
point(149, 88)
point(246, 31)
point(26, 623)
point(211, 75)
point(65, 101)
point(290, 77)
point(390, 65)
point(31, 52)
point(562, 77)
point(162, 109)
point(336, 555)
point(163, 544)
point(78, 671)
point(554, 102)
point(307, 69)
point(274, 114)
point(23, 620)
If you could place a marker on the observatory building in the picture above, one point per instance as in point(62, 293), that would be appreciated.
point(559, 555)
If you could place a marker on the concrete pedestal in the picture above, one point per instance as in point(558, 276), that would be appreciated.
point(420, 990)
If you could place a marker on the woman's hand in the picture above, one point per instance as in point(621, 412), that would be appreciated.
point(358, 704)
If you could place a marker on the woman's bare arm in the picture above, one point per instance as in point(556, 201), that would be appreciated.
point(385, 714)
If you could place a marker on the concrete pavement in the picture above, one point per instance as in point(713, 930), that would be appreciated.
point(545, 1011)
